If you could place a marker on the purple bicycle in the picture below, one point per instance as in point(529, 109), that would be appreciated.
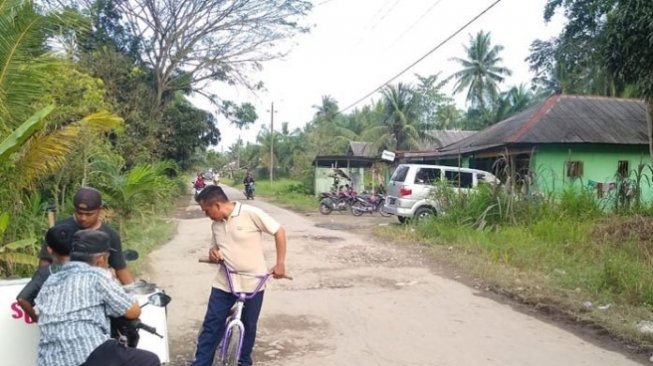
point(232, 340)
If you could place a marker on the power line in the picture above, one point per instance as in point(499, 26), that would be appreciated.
point(423, 57)
point(430, 9)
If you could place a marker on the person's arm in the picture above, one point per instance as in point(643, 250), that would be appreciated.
point(27, 295)
point(125, 276)
point(117, 259)
point(279, 269)
point(267, 224)
point(117, 301)
point(28, 309)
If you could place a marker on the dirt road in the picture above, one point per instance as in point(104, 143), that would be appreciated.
point(356, 301)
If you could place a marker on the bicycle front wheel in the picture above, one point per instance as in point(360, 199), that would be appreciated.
point(230, 351)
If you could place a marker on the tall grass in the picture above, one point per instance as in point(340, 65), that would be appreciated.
point(572, 239)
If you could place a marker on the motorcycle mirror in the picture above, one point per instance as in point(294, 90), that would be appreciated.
point(159, 299)
point(130, 255)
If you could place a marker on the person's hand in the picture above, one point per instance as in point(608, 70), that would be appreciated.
point(215, 255)
point(279, 271)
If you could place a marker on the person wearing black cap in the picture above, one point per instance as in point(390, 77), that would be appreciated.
point(88, 206)
point(58, 239)
point(73, 307)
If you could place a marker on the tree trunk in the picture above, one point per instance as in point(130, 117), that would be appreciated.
point(649, 123)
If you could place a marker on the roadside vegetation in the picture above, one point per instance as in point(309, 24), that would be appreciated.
point(83, 103)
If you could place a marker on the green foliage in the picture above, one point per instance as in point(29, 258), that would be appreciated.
point(141, 190)
point(20, 135)
point(481, 72)
point(17, 254)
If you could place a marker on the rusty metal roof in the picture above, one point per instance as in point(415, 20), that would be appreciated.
point(442, 138)
point(566, 119)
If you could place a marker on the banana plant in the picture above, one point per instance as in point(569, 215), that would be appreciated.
point(13, 253)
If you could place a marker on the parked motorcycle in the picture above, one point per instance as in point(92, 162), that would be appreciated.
point(249, 190)
point(330, 202)
point(369, 204)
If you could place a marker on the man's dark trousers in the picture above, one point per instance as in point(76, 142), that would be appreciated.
point(220, 303)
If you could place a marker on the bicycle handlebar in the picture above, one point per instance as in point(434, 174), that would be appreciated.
point(206, 260)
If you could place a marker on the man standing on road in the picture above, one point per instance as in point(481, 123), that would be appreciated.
point(237, 230)
point(88, 205)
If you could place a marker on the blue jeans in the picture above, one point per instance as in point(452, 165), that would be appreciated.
point(220, 302)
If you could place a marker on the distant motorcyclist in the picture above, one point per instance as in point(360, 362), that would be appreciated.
point(248, 181)
point(199, 182)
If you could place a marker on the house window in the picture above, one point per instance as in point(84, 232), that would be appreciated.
point(574, 169)
point(622, 169)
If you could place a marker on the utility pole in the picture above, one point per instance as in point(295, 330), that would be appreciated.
point(271, 143)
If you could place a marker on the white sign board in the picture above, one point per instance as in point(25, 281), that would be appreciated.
point(19, 337)
point(388, 155)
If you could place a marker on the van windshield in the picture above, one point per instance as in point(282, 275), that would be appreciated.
point(400, 174)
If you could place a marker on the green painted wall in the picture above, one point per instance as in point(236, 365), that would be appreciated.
point(600, 164)
point(323, 182)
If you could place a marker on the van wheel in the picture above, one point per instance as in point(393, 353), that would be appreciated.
point(424, 213)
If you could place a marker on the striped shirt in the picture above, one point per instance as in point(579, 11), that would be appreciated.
point(73, 307)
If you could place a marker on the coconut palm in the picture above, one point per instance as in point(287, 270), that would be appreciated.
point(399, 127)
point(481, 72)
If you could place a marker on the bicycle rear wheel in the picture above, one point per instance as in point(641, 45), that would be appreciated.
point(233, 342)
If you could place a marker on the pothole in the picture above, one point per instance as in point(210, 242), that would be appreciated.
point(335, 226)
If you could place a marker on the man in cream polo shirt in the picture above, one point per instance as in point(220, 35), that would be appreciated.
point(237, 231)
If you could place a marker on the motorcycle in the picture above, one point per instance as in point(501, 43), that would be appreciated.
point(369, 204)
point(125, 331)
point(20, 334)
point(335, 202)
point(198, 187)
point(249, 190)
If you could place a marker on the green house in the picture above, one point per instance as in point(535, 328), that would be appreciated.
point(567, 139)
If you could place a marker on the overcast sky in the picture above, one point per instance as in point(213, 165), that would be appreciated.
point(356, 45)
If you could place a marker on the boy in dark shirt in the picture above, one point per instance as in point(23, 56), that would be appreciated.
point(58, 240)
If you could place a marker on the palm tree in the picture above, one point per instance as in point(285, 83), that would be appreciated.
point(399, 128)
point(481, 72)
point(31, 145)
point(242, 117)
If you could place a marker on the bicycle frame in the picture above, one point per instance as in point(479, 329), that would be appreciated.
point(234, 319)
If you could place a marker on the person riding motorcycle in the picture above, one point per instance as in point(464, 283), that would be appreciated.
point(248, 181)
point(73, 307)
point(199, 182)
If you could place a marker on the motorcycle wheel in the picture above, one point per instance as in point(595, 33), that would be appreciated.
point(356, 209)
point(325, 209)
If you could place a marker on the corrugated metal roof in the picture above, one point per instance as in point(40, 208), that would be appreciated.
point(566, 119)
point(441, 138)
point(363, 149)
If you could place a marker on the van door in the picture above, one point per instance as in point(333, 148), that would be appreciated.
point(396, 181)
point(424, 181)
point(459, 180)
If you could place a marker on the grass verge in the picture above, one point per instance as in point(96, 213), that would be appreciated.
point(145, 234)
point(287, 193)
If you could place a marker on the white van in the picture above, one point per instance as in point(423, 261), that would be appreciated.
point(409, 192)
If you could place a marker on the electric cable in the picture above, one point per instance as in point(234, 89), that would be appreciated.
point(423, 57)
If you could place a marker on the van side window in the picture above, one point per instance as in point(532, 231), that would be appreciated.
point(427, 176)
point(459, 179)
point(400, 174)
